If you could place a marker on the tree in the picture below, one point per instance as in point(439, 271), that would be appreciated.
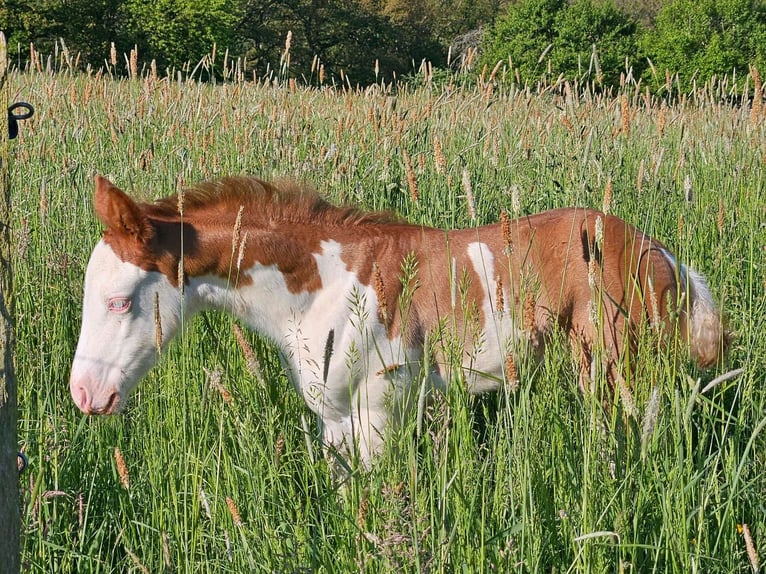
point(586, 25)
point(701, 38)
point(524, 36)
point(174, 32)
point(535, 33)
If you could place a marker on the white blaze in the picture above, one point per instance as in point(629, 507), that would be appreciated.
point(116, 348)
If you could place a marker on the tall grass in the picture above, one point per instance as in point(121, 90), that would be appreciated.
point(216, 465)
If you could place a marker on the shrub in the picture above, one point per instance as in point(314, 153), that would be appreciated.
point(698, 39)
point(564, 35)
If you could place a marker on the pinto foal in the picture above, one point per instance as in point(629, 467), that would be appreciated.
point(327, 285)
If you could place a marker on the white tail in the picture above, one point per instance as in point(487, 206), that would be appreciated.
point(705, 333)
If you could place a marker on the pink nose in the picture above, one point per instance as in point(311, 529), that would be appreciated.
point(85, 401)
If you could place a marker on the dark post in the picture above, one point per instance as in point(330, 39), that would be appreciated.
point(10, 519)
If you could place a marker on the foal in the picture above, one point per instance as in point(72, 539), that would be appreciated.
point(352, 298)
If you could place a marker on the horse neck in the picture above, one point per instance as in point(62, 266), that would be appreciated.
point(267, 278)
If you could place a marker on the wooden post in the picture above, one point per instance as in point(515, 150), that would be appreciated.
point(10, 519)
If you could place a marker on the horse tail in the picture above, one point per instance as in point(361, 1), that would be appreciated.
point(705, 332)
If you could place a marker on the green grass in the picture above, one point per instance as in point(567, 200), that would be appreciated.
point(541, 480)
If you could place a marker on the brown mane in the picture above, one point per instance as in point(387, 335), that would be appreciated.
point(285, 201)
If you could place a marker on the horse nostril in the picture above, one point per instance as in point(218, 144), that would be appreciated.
point(82, 399)
point(113, 404)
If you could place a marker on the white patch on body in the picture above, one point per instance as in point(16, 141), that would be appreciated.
point(485, 371)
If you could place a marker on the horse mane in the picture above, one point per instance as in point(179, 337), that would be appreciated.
point(283, 200)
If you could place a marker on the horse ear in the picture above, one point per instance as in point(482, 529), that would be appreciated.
point(118, 212)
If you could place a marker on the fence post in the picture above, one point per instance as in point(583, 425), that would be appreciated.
point(10, 519)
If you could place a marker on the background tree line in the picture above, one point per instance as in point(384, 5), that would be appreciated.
point(593, 40)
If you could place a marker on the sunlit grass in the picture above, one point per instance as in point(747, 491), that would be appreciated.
point(540, 479)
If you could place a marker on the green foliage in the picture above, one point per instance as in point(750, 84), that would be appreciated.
point(699, 39)
point(524, 36)
point(595, 38)
point(174, 32)
point(584, 38)
point(365, 41)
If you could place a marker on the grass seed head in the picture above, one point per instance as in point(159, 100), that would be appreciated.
point(214, 380)
point(166, 551)
point(380, 293)
point(752, 554)
point(361, 515)
point(607, 205)
point(529, 312)
point(662, 119)
point(625, 114)
point(505, 226)
point(412, 181)
point(234, 511)
point(499, 295)
point(650, 417)
point(122, 468)
point(511, 373)
point(157, 323)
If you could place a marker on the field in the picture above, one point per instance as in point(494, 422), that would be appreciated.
point(216, 465)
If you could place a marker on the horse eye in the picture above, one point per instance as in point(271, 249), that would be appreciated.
point(118, 304)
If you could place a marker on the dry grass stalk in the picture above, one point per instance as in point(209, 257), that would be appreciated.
point(412, 181)
point(181, 275)
point(157, 323)
point(499, 295)
point(626, 395)
point(625, 114)
point(241, 252)
point(440, 162)
point(166, 551)
point(134, 62)
point(607, 204)
point(752, 554)
point(112, 55)
point(205, 503)
point(122, 468)
point(234, 511)
point(80, 509)
point(511, 373)
point(237, 231)
point(662, 119)
point(529, 312)
point(137, 561)
point(251, 361)
point(361, 515)
point(468, 189)
point(214, 380)
point(279, 450)
point(380, 293)
point(599, 232)
point(650, 416)
point(505, 226)
point(567, 123)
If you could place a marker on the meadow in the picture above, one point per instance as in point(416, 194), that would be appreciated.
point(216, 466)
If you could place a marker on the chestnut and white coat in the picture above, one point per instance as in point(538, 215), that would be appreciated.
point(366, 308)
